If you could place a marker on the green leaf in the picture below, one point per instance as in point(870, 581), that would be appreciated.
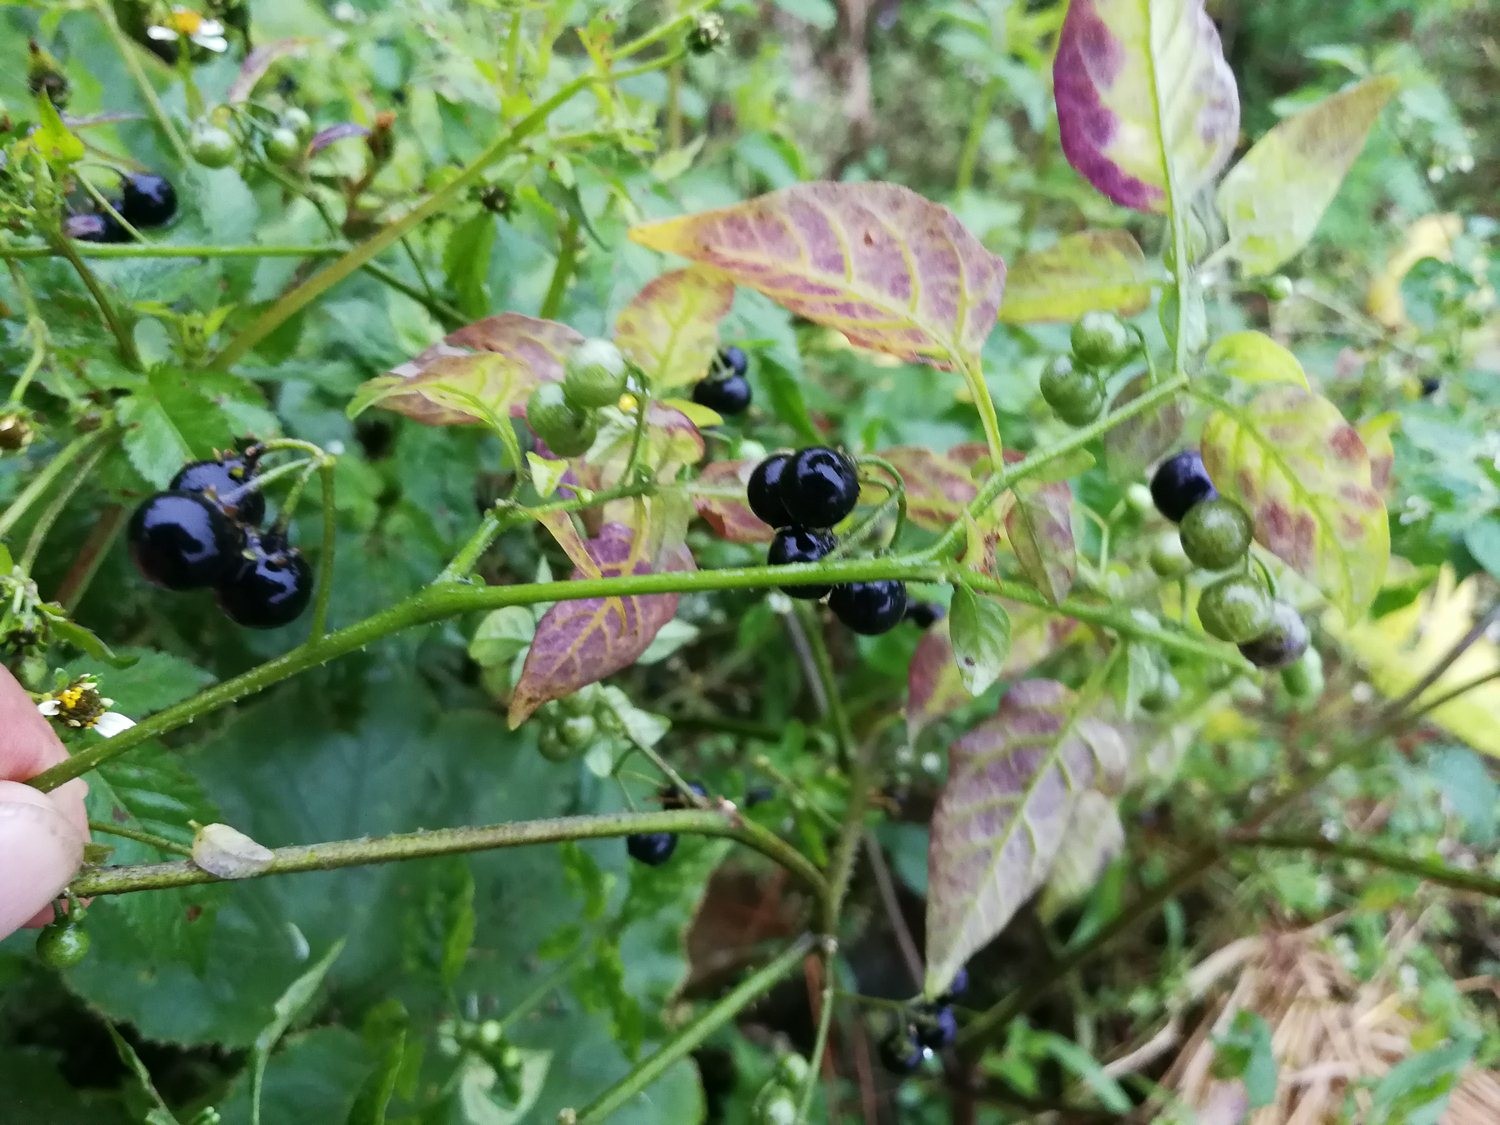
point(466, 262)
point(1303, 473)
point(670, 329)
point(1253, 357)
point(503, 634)
point(159, 1113)
point(57, 144)
point(84, 640)
point(1466, 783)
point(1082, 272)
point(980, 634)
point(1273, 199)
point(1416, 1090)
point(298, 996)
point(1245, 1052)
point(170, 424)
point(1482, 538)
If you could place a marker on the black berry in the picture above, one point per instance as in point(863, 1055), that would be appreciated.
point(651, 848)
point(730, 395)
point(271, 586)
point(759, 795)
point(1180, 482)
point(147, 200)
point(180, 541)
point(900, 1053)
point(937, 1028)
point(764, 491)
point(730, 361)
point(94, 226)
point(222, 479)
point(820, 486)
point(959, 985)
point(672, 798)
point(924, 615)
point(801, 545)
point(870, 607)
point(1281, 644)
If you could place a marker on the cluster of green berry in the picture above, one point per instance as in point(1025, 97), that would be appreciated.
point(1073, 385)
point(282, 141)
point(803, 495)
point(565, 416)
point(145, 200)
point(204, 532)
point(923, 1030)
point(1214, 534)
point(776, 1104)
point(577, 723)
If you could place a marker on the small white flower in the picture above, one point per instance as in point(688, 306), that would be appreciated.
point(183, 23)
point(80, 706)
point(112, 723)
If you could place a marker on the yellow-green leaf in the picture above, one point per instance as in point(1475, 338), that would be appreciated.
point(1303, 473)
point(1093, 269)
point(54, 140)
point(1253, 357)
point(1273, 199)
point(894, 272)
point(670, 330)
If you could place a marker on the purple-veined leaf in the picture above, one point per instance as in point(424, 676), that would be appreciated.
point(939, 486)
point(1137, 442)
point(894, 272)
point(1273, 199)
point(670, 329)
point(255, 66)
point(719, 496)
point(1146, 104)
point(1013, 783)
point(1040, 528)
point(485, 368)
point(1095, 839)
point(1082, 272)
point(580, 642)
point(1304, 475)
point(1253, 357)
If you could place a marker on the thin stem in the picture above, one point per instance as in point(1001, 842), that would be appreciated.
point(174, 250)
point(1448, 659)
point(91, 556)
point(968, 158)
point(143, 83)
point(979, 390)
point(36, 328)
point(886, 886)
point(330, 544)
point(55, 508)
point(820, 1037)
point(160, 843)
point(456, 841)
point(562, 272)
point(1430, 870)
point(45, 479)
point(1449, 696)
point(690, 1037)
point(117, 327)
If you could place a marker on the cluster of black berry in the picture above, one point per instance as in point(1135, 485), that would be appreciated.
point(725, 389)
point(204, 532)
point(1214, 533)
point(1073, 385)
point(803, 495)
point(925, 1029)
point(655, 848)
point(145, 200)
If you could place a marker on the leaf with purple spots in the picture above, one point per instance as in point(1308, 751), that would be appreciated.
point(1013, 784)
point(1304, 475)
point(580, 642)
point(894, 272)
point(1082, 272)
point(939, 486)
point(1039, 526)
point(670, 329)
point(1146, 104)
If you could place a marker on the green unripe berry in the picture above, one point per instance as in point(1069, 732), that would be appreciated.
point(1215, 533)
point(1100, 339)
point(62, 944)
point(792, 1071)
point(1162, 694)
point(1063, 386)
point(1168, 559)
point(283, 146)
point(578, 732)
point(1138, 496)
point(552, 747)
point(594, 375)
point(1083, 413)
point(212, 146)
point(1235, 609)
point(774, 1106)
point(567, 431)
point(297, 120)
point(1277, 288)
point(1303, 678)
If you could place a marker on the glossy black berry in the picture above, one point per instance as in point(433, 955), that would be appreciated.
point(271, 586)
point(221, 480)
point(820, 486)
point(1180, 482)
point(937, 1028)
point(672, 798)
point(727, 396)
point(1281, 644)
point(92, 226)
point(651, 848)
point(870, 607)
point(730, 361)
point(900, 1053)
point(801, 545)
point(924, 615)
point(759, 795)
point(764, 491)
point(959, 985)
point(147, 200)
point(181, 541)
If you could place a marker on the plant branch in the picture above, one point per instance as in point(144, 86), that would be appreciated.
point(562, 272)
point(1430, 870)
point(174, 250)
point(122, 335)
point(148, 92)
point(45, 479)
point(1448, 659)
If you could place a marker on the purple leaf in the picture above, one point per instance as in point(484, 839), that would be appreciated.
point(333, 134)
point(1146, 103)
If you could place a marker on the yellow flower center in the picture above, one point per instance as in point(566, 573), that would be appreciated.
point(184, 22)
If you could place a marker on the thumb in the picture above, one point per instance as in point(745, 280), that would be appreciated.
point(40, 849)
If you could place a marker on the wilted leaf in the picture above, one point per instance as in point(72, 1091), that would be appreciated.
point(229, 853)
point(719, 496)
point(1274, 197)
point(1013, 783)
point(485, 368)
point(1040, 528)
point(1145, 99)
point(1138, 441)
point(980, 634)
point(1303, 474)
point(580, 642)
point(1253, 357)
point(670, 330)
point(1093, 269)
point(893, 271)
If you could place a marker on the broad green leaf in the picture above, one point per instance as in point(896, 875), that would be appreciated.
point(892, 271)
point(580, 642)
point(1253, 357)
point(56, 143)
point(1146, 104)
point(502, 636)
point(1482, 538)
point(1013, 783)
point(298, 996)
point(170, 423)
point(1274, 197)
point(980, 634)
point(482, 371)
point(1303, 473)
point(1040, 528)
point(670, 330)
point(1093, 269)
point(466, 262)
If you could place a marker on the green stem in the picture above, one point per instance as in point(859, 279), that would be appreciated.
point(172, 250)
point(969, 157)
point(160, 843)
point(143, 83)
point(979, 390)
point(55, 508)
point(122, 335)
point(45, 479)
point(456, 841)
point(562, 272)
point(1429, 870)
point(330, 544)
point(36, 328)
point(820, 1038)
point(694, 1034)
